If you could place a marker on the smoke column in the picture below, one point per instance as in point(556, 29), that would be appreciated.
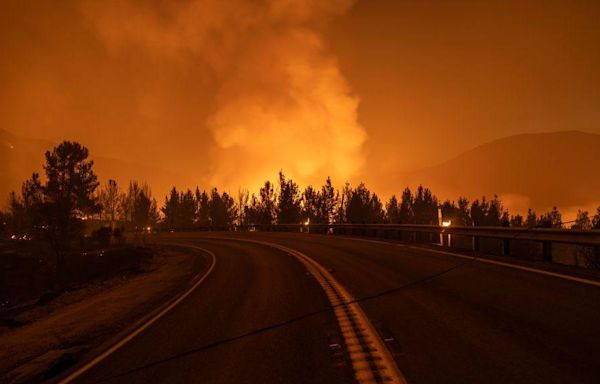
point(280, 100)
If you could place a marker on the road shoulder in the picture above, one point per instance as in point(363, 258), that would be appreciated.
point(80, 323)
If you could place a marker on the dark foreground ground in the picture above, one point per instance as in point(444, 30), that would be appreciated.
point(477, 323)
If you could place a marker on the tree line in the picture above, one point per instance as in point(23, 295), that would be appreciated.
point(55, 209)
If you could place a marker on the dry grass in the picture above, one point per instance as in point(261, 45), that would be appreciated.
point(86, 317)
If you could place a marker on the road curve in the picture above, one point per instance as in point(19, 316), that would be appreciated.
point(252, 287)
point(475, 323)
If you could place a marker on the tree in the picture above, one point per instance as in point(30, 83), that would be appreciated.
point(127, 200)
point(186, 213)
point(222, 209)
point(531, 220)
point(145, 211)
point(138, 207)
point(450, 211)
point(231, 211)
point(289, 201)
point(311, 206)
point(552, 219)
point(252, 211)
point(406, 214)
point(583, 221)
point(203, 214)
point(328, 202)
point(425, 207)
point(488, 213)
point(376, 212)
point(55, 210)
point(109, 199)
point(340, 215)
point(364, 207)
point(517, 221)
point(242, 205)
point(68, 194)
point(596, 219)
point(463, 215)
point(392, 210)
point(266, 206)
point(171, 209)
point(495, 212)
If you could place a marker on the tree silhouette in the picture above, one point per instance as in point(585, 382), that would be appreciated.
point(425, 207)
point(267, 210)
point(186, 212)
point(489, 213)
point(289, 201)
point(596, 219)
point(406, 214)
point(582, 221)
point(171, 209)
point(311, 206)
point(463, 214)
point(242, 205)
point(320, 206)
point(531, 220)
point(517, 221)
point(68, 194)
point(340, 215)
point(55, 210)
point(145, 211)
point(203, 213)
point(138, 207)
point(364, 207)
point(450, 211)
point(392, 210)
point(221, 209)
point(329, 200)
point(109, 199)
point(552, 219)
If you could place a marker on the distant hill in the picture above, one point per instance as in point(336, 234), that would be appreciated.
point(20, 156)
point(529, 170)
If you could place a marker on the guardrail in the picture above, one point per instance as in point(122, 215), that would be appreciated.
point(443, 235)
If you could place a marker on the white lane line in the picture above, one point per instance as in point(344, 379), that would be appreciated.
point(488, 261)
point(78, 372)
point(370, 357)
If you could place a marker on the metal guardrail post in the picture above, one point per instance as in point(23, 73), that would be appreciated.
point(475, 243)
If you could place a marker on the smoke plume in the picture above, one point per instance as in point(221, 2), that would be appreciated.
point(280, 100)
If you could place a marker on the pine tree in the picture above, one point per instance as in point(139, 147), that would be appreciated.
point(392, 210)
point(289, 201)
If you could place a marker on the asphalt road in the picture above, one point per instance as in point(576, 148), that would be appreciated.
point(477, 323)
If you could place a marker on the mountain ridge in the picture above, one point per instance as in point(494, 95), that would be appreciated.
point(515, 168)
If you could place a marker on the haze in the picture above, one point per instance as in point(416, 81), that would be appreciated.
point(228, 93)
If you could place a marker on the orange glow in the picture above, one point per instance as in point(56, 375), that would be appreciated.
point(228, 93)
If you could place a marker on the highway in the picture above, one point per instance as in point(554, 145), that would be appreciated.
point(443, 319)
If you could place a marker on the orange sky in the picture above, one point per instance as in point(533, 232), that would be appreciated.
point(228, 93)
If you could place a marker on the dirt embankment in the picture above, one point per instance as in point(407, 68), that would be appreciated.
point(46, 339)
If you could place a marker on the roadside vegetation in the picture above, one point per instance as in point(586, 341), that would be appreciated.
point(65, 216)
point(50, 242)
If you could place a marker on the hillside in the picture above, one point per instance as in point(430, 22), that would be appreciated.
point(529, 170)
